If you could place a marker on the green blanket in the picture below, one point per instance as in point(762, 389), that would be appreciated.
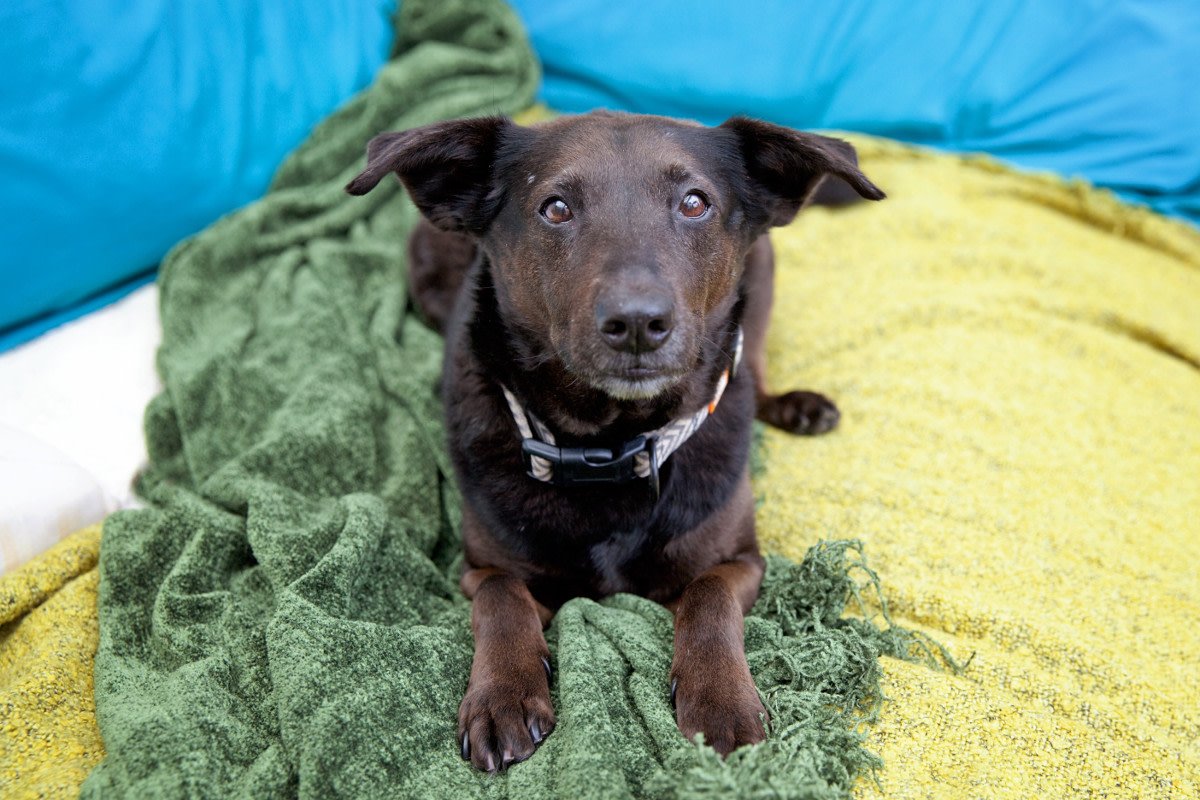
point(284, 617)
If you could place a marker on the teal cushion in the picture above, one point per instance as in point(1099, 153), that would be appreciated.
point(128, 126)
point(1104, 90)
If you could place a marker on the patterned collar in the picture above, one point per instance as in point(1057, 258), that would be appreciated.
point(638, 458)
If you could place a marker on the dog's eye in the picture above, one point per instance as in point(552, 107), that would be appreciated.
point(556, 211)
point(693, 205)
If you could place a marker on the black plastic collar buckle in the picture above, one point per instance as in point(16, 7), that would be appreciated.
point(576, 466)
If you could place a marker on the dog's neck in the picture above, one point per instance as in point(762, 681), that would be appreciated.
point(577, 413)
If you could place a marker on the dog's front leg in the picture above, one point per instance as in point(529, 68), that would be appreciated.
point(506, 712)
point(710, 679)
point(802, 412)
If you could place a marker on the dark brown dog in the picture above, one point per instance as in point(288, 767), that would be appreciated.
point(613, 264)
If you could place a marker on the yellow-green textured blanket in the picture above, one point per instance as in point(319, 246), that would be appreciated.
point(1017, 361)
point(48, 736)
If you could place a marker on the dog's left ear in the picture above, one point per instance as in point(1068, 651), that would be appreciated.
point(787, 166)
point(447, 167)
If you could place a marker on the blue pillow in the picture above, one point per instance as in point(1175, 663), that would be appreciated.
point(125, 127)
point(1109, 91)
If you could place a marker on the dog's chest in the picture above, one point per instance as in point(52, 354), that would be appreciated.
point(612, 558)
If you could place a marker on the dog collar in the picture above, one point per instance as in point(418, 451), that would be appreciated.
point(638, 458)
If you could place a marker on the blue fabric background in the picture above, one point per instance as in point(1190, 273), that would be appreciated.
point(125, 127)
point(1109, 91)
point(123, 131)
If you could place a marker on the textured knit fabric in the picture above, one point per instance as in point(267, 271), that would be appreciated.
point(1017, 362)
point(48, 736)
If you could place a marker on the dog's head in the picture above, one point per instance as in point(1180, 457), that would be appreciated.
point(616, 241)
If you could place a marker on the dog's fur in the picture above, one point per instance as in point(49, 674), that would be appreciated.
point(523, 299)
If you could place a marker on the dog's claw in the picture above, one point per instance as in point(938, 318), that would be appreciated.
point(549, 672)
point(466, 746)
point(535, 732)
point(674, 686)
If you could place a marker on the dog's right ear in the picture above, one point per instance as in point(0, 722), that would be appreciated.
point(786, 166)
point(447, 167)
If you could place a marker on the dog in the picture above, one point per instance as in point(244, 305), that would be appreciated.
point(604, 284)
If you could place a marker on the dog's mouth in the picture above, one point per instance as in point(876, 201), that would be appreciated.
point(626, 376)
point(636, 383)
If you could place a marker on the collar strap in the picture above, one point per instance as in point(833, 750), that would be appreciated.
point(640, 457)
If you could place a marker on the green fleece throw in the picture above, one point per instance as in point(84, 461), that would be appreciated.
point(284, 617)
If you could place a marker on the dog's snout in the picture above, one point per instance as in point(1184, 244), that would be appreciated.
point(637, 322)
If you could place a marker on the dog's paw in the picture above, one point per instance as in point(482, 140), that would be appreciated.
point(720, 702)
point(505, 715)
point(803, 413)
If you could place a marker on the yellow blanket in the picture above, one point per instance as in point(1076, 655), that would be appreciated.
point(48, 632)
point(1017, 361)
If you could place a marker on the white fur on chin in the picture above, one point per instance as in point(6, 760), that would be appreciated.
point(624, 389)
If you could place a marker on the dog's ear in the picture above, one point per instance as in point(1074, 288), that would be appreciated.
point(447, 167)
point(786, 167)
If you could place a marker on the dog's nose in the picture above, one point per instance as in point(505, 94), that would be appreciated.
point(637, 323)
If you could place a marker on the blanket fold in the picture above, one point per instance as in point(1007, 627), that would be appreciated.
point(284, 619)
point(48, 736)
